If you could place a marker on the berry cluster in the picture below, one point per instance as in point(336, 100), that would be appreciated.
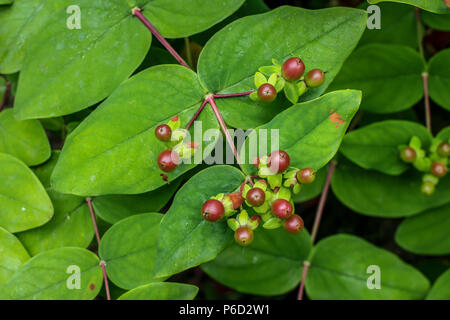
point(177, 149)
point(432, 162)
point(288, 77)
point(270, 198)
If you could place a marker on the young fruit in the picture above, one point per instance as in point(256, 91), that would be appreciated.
point(408, 154)
point(256, 197)
point(427, 188)
point(243, 236)
point(236, 198)
point(282, 208)
point(314, 78)
point(267, 92)
point(294, 224)
point(279, 161)
point(256, 218)
point(163, 132)
point(438, 169)
point(168, 160)
point(293, 69)
point(306, 175)
point(213, 210)
point(444, 149)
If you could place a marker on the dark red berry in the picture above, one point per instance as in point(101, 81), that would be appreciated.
point(282, 208)
point(444, 149)
point(256, 218)
point(243, 236)
point(168, 160)
point(293, 69)
point(427, 188)
point(314, 78)
point(408, 154)
point(256, 197)
point(267, 92)
point(438, 169)
point(279, 161)
point(213, 210)
point(237, 199)
point(294, 224)
point(163, 132)
point(306, 175)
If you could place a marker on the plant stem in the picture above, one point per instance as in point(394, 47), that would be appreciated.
point(319, 213)
point(137, 12)
point(196, 114)
point(419, 33)
point(5, 95)
point(229, 95)
point(97, 235)
point(427, 100)
point(187, 45)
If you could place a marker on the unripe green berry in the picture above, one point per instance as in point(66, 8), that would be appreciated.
point(293, 69)
point(408, 154)
point(267, 92)
point(294, 224)
point(444, 149)
point(427, 188)
point(256, 197)
point(306, 176)
point(315, 78)
point(243, 236)
point(438, 169)
point(213, 210)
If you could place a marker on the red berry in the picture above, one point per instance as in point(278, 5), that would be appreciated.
point(306, 175)
point(408, 154)
point(257, 218)
point(213, 210)
point(293, 69)
point(444, 149)
point(294, 224)
point(243, 236)
point(267, 92)
point(237, 199)
point(256, 197)
point(282, 208)
point(314, 78)
point(438, 169)
point(168, 160)
point(279, 161)
point(163, 132)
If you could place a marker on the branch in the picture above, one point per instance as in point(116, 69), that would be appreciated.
point(419, 32)
point(196, 114)
point(427, 100)
point(137, 12)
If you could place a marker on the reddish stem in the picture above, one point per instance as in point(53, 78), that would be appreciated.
point(137, 12)
point(97, 235)
point(427, 101)
point(306, 265)
point(5, 95)
point(196, 114)
point(230, 95)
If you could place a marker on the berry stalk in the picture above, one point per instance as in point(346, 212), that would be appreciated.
point(427, 100)
point(230, 95)
point(137, 12)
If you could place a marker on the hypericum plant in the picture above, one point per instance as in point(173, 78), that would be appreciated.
point(135, 197)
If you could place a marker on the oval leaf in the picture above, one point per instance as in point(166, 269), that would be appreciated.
point(339, 270)
point(436, 21)
point(13, 255)
point(322, 38)
point(186, 239)
point(391, 69)
point(439, 79)
point(162, 291)
point(129, 250)
point(47, 276)
point(376, 146)
point(429, 5)
point(441, 288)
point(24, 204)
point(266, 267)
point(426, 233)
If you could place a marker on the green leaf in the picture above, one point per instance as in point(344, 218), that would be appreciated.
point(376, 194)
point(426, 233)
point(437, 6)
point(129, 250)
point(70, 226)
point(339, 270)
point(312, 190)
point(44, 171)
point(13, 255)
point(291, 92)
point(319, 127)
point(93, 60)
point(53, 124)
point(23, 201)
point(266, 267)
point(376, 146)
point(2, 2)
point(441, 288)
point(161, 291)
point(398, 25)
point(393, 70)
point(178, 18)
point(436, 21)
point(115, 150)
point(186, 239)
point(25, 140)
point(227, 64)
point(47, 276)
point(444, 134)
point(439, 79)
